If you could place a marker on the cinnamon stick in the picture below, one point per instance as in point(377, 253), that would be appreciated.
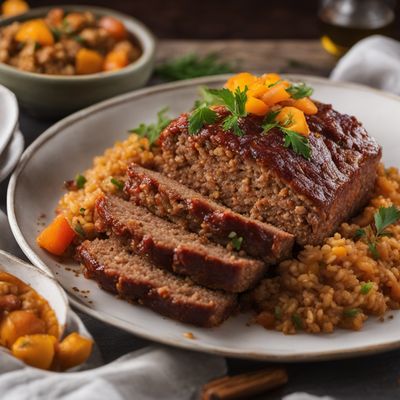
point(244, 385)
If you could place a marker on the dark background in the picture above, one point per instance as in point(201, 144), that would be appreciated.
point(220, 19)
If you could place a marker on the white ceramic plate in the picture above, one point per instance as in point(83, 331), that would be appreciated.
point(68, 148)
point(39, 280)
point(11, 155)
point(8, 116)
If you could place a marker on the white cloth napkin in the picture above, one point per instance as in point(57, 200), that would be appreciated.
point(374, 61)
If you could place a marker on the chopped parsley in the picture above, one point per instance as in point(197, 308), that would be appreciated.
point(80, 181)
point(79, 39)
point(82, 210)
point(236, 241)
point(192, 66)
point(278, 313)
point(206, 98)
point(118, 184)
point(79, 230)
point(383, 218)
point(199, 117)
point(235, 103)
point(299, 90)
point(297, 142)
point(351, 312)
point(366, 287)
point(152, 131)
point(297, 321)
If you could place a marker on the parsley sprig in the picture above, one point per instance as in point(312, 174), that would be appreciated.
point(299, 90)
point(236, 240)
point(192, 66)
point(298, 143)
point(152, 131)
point(235, 103)
point(383, 218)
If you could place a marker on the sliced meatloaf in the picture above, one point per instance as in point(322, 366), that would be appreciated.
point(172, 247)
point(256, 175)
point(169, 199)
point(111, 264)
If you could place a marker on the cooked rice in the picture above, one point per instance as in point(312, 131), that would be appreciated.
point(320, 289)
point(78, 205)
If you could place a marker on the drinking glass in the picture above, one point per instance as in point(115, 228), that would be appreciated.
point(345, 22)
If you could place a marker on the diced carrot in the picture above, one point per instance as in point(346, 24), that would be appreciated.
point(115, 60)
point(35, 30)
point(257, 89)
point(73, 350)
point(305, 104)
point(241, 81)
point(114, 27)
point(14, 7)
point(88, 62)
point(56, 237)
point(293, 119)
point(276, 94)
point(270, 79)
point(256, 106)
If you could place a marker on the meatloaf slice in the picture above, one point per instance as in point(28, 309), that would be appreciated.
point(111, 264)
point(256, 175)
point(172, 247)
point(169, 199)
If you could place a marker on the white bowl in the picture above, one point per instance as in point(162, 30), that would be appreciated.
point(41, 281)
point(8, 116)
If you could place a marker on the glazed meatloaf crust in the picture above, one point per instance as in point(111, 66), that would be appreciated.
point(256, 175)
point(110, 263)
point(170, 246)
point(169, 199)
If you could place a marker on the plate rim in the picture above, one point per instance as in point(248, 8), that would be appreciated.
point(16, 138)
point(12, 127)
point(359, 351)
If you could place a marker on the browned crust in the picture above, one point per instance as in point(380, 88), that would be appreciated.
point(152, 297)
point(233, 275)
point(200, 214)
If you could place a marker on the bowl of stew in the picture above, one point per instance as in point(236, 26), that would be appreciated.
point(60, 59)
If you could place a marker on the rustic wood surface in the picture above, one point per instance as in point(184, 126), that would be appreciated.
point(305, 56)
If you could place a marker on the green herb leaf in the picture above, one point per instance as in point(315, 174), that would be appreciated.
point(80, 181)
point(235, 102)
point(270, 121)
point(297, 321)
point(373, 250)
point(152, 131)
point(82, 210)
point(366, 287)
point(56, 34)
point(118, 184)
point(200, 117)
point(79, 230)
point(299, 90)
point(297, 142)
point(206, 98)
point(384, 217)
point(79, 39)
point(192, 66)
point(236, 240)
point(351, 312)
point(274, 84)
point(359, 233)
point(278, 313)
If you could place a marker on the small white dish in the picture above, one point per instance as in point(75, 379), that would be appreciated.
point(41, 281)
point(8, 116)
point(68, 148)
point(11, 155)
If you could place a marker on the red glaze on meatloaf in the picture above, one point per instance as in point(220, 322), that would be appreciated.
point(256, 175)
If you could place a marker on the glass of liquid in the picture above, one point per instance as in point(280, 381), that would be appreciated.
point(345, 22)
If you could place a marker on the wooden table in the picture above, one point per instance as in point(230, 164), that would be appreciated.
point(375, 377)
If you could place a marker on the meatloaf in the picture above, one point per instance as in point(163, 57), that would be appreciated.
point(169, 199)
point(256, 175)
point(111, 264)
point(172, 247)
